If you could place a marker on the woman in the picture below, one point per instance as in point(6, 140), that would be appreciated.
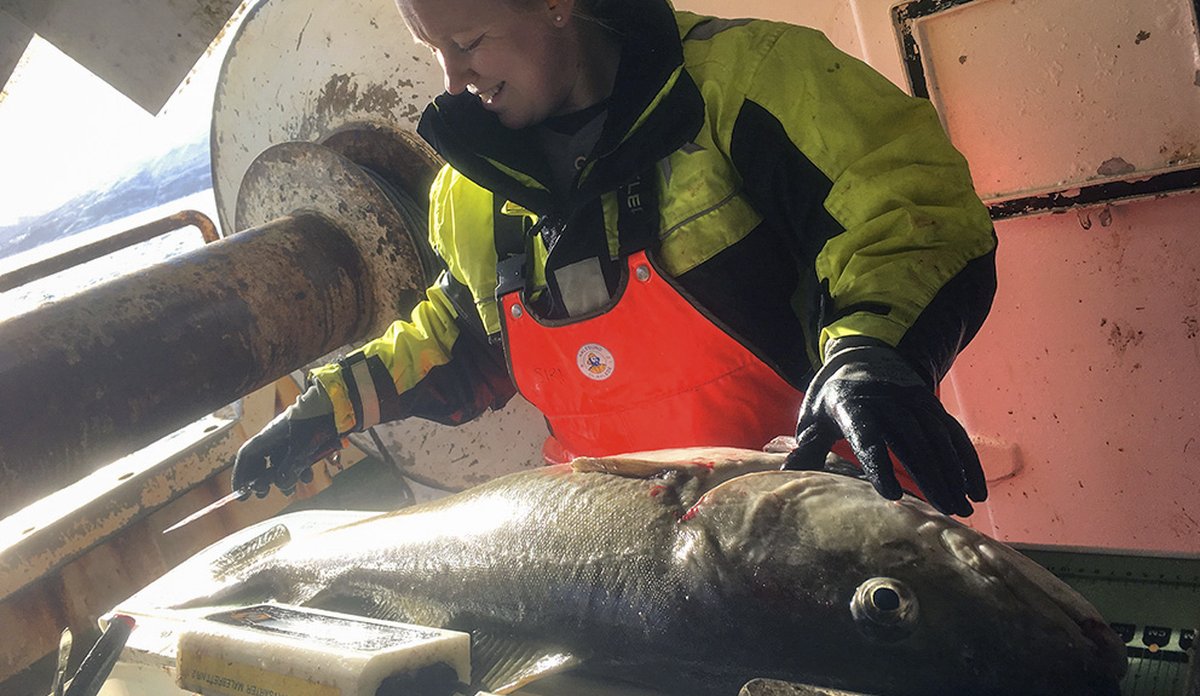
point(673, 227)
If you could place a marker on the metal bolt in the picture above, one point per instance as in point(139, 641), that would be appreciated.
point(517, 311)
point(642, 273)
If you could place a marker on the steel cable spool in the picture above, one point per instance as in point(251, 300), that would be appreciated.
point(350, 77)
point(414, 217)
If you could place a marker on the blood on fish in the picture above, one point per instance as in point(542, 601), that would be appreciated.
point(692, 510)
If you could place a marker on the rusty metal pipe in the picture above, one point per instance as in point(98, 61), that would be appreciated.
point(47, 267)
point(326, 259)
point(92, 378)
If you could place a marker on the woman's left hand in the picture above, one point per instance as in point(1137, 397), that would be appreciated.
point(868, 394)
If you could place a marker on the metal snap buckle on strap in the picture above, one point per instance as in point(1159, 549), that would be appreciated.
point(517, 311)
point(642, 272)
point(510, 275)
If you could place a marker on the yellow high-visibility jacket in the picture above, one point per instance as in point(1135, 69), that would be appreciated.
point(801, 197)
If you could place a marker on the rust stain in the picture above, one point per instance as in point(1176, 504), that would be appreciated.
point(220, 13)
point(379, 98)
point(411, 113)
point(1122, 338)
point(1182, 154)
point(215, 11)
point(475, 479)
point(1192, 326)
point(341, 95)
point(1191, 519)
point(336, 95)
point(1085, 219)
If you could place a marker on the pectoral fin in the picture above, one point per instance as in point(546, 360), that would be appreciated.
point(502, 664)
point(713, 464)
point(242, 556)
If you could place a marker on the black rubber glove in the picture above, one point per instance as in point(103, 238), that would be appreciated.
point(868, 394)
point(284, 451)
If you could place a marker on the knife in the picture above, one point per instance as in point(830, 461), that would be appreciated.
point(215, 505)
point(330, 452)
point(64, 654)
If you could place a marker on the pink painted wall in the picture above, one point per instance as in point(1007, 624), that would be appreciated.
point(1085, 381)
point(1082, 391)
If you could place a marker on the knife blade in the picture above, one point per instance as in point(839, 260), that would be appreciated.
point(211, 507)
point(64, 655)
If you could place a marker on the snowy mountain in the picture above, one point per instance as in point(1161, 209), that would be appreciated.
point(178, 173)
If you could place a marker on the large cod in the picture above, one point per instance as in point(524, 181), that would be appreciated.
point(695, 571)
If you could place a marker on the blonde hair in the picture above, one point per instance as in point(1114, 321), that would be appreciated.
point(593, 11)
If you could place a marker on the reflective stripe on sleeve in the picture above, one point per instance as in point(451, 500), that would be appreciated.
point(366, 394)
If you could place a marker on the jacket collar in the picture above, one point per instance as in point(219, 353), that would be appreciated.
point(654, 109)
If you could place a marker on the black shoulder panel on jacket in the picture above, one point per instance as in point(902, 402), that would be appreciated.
point(783, 184)
point(789, 191)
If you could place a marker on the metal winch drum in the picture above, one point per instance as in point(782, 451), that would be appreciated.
point(350, 77)
point(320, 183)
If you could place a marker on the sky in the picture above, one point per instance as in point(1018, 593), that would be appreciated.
point(64, 131)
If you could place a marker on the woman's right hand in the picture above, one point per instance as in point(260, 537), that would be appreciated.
point(284, 451)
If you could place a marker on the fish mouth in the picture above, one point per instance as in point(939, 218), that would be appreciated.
point(1044, 592)
point(1108, 647)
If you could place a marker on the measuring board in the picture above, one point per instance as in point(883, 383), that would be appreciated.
point(1152, 602)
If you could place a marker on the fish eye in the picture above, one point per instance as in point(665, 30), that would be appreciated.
point(884, 609)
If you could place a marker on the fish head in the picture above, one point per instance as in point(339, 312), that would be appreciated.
point(892, 594)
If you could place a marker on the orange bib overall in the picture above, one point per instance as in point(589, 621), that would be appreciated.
point(650, 372)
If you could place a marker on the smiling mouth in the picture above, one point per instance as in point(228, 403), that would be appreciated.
point(488, 96)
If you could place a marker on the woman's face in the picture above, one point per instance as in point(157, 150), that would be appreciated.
point(519, 58)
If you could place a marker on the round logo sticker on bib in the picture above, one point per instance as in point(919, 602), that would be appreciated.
point(594, 361)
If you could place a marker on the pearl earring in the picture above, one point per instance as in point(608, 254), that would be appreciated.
point(558, 19)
